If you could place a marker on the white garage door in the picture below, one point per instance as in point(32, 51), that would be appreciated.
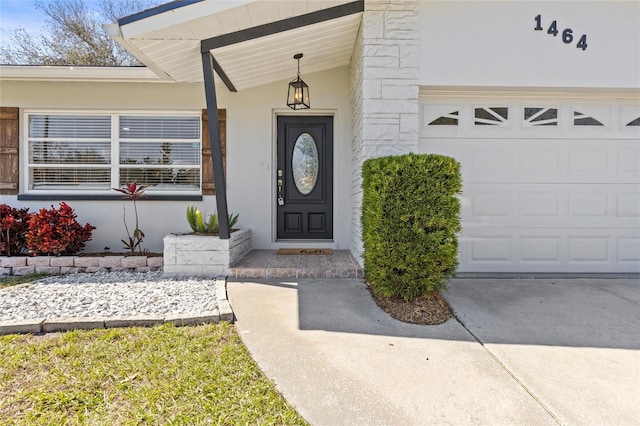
point(550, 185)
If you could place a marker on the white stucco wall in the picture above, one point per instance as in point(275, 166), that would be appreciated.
point(250, 151)
point(493, 43)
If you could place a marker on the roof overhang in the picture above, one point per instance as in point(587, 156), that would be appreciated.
point(252, 42)
point(78, 73)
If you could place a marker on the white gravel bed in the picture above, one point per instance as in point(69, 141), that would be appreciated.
point(111, 294)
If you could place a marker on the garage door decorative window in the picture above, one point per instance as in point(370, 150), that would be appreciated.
point(450, 119)
point(580, 119)
point(491, 116)
point(540, 116)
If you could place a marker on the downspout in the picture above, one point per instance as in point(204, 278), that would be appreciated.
point(216, 147)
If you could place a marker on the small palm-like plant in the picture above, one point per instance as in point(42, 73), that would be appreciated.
point(210, 225)
point(132, 191)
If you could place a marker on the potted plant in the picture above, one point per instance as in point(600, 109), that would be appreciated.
point(202, 253)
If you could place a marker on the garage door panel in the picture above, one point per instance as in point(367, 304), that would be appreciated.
point(629, 162)
point(628, 250)
point(593, 206)
point(586, 203)
point(539, 204)
point(541, 161)
point(491, 249)
point(627, 206)
point(491, 204)
point(497, 162)
point(550, 250)
point(535, 249)
point(550, 205)
point(590, 249)
point(591, 162)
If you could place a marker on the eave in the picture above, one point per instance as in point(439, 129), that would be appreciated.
point(78, 73)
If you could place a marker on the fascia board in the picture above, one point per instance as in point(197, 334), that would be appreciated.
point(79, 73)
point(178, 16)
point(115, 33)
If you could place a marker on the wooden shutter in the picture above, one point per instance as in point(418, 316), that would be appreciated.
point(208, 187)
point(9, 144)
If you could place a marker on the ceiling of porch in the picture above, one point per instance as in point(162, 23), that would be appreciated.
point(169, 42)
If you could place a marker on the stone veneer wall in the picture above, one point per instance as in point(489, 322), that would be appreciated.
point(385, 67)
point(356, 82)
point(22, 265)
point(204, 255)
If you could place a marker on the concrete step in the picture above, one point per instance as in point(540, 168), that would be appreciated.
point(265, 264)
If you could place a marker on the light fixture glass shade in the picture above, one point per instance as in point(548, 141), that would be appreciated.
point(298, 97)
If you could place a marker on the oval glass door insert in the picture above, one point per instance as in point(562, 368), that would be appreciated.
point(305, 163)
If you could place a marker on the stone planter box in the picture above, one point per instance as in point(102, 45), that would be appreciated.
point(22, 265)
point(204, 255)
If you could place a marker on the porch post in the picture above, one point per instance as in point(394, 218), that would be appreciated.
point(216, 148)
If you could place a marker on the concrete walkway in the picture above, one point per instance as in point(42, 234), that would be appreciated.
point(522, 352)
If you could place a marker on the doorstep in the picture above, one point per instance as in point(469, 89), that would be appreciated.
point(266, 264)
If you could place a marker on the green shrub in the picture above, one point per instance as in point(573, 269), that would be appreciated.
point(410, 217)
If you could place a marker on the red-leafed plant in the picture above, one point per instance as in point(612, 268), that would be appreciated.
point(132, 191)
point(57, 232)
point(13, 225)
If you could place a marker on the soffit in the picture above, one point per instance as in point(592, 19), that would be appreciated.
point(325, 46)
point(169, 43)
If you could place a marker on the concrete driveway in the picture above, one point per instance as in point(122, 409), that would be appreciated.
point(543, 351)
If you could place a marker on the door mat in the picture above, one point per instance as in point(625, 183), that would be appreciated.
point(291, 251)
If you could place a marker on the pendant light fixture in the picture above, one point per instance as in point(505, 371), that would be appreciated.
point(298, 97)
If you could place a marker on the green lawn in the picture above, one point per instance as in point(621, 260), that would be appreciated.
point(159, 375)
point(8, 281)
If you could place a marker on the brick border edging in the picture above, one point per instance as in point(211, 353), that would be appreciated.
point(224, 313)
point(22, 265)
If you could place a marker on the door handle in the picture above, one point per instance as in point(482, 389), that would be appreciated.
point(280, 185)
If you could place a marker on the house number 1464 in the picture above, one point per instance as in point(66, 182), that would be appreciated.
point(567, 33)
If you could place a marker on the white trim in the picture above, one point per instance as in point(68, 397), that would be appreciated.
point(116, 34)
point(180, 15)
point(591, 94)
point(79, 73)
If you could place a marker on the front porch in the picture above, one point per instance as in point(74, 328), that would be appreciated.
point(264, 264)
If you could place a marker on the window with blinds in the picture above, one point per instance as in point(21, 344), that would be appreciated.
point(100, 152)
